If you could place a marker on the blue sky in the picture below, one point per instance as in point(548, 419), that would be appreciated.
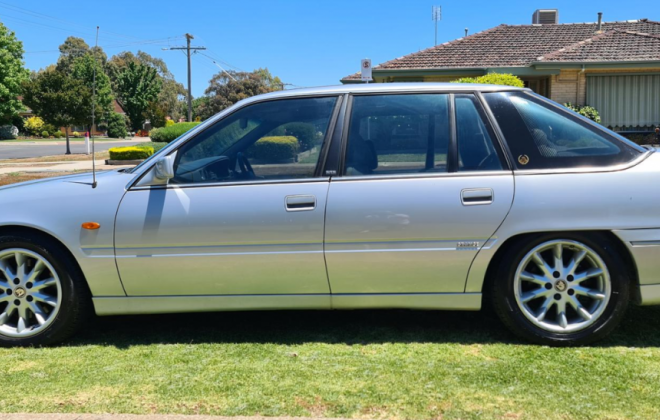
point(305, 42)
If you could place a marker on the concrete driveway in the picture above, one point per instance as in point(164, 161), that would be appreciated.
point(38, 149)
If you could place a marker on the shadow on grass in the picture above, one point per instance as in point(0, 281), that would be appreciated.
point(640, 328)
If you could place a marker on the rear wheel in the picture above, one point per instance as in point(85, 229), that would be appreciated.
point(43, 299)
point(561, 289)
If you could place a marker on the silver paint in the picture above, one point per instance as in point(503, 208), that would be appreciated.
point(388, 241)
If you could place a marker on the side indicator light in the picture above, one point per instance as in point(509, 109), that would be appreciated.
point(91, 225)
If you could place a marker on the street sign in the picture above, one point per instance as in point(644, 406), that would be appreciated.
point(366, 70)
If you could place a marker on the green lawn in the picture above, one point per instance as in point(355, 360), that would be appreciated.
point(374, 364)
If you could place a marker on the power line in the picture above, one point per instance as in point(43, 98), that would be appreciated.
point(155, 42)
point(39, 15)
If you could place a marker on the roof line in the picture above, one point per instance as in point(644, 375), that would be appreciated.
point(594, 38)
point(440, 46)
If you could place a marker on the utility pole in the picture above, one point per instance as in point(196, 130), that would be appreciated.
point(188, 49)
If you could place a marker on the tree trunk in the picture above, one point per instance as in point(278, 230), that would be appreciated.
point(68, 148)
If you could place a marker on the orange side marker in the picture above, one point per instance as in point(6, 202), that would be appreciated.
point(91, 225)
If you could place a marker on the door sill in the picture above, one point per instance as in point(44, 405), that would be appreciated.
point(136, 305)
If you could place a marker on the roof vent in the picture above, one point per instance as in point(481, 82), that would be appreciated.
point(545, 17)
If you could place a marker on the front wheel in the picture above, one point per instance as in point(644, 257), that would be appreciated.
point(561, 289)
point(43, 298)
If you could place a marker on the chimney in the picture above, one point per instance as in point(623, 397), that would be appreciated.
point(600, 22)
point(466, 31)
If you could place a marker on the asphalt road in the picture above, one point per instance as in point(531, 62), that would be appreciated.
point(31, 150)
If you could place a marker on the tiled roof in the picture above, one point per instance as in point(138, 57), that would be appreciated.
point(508, 45)
point(609, 46)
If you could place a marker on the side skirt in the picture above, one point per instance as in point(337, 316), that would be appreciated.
point(176, 304)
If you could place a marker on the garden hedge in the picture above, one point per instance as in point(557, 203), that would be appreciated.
point(171, 133)
point(585, 110)
point(274, 149)
point(493, 79)
point(130, 153)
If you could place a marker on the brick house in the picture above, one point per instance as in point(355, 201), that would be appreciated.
point(613, 66)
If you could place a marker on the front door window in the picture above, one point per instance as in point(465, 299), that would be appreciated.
point(267, 141)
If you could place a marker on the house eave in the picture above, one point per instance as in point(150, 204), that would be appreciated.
point(544, 65)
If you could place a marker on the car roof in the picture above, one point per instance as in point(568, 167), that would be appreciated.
point(388, 88)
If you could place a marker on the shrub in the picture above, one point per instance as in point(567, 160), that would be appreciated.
point(493, 79)
point(58, 134)
point(585, 110)
point(304, 132)
point(34, 125)
point(130, 153)
point(117, 126)
point(274, 149)
point(75, 134)
point(19, 122)
point(8, 132)
point(171, 133)
point(45, 134)
point(169, 123)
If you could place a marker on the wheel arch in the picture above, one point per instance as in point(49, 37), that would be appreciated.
point(621, 249)
point(18, 229)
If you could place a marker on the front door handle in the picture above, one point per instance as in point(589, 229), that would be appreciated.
point(477, 196)
point(300, 202)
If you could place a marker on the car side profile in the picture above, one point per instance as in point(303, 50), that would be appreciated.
point(419, 196)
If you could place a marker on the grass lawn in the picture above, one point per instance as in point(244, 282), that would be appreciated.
point(368, 364)
point(375, 364)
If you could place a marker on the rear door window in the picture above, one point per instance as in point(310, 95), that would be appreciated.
point(398, 134)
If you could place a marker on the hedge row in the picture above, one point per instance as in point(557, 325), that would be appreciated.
point(130, 153)
point(493, 79)
point(585, 110)
point(171, 133)
point(274, 149)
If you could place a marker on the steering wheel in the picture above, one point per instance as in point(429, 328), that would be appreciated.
point(244, 165)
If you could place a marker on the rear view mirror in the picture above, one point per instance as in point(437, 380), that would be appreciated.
point(243, 122)
point(164, 168)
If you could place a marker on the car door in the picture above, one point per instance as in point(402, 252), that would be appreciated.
point(244, 213)
point(425, 186)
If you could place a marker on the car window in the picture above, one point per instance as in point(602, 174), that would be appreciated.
point(269, 140)
point(476, 150)
point(398, 134)
point(541, 136)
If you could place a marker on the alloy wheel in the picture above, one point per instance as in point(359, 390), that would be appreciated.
point(562, 286)
point(30, 293)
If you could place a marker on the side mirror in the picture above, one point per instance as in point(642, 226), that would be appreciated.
point(164, 168)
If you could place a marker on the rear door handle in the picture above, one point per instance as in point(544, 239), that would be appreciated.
point(300, 202)
point(477, 196)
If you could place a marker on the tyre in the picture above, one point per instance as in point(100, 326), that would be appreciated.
point(561, 290)
point(43, 297)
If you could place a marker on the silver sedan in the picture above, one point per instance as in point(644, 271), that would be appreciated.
point(419, 196)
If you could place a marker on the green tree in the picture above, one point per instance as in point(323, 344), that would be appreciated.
point(83, 69)
point(12, 74)
point(116, 126)
point(137, 86)
point(227, 88)
point(58, 99)
point(73, 48)
point(171, 93)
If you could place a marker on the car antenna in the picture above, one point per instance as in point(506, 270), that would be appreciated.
point(91, 129)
